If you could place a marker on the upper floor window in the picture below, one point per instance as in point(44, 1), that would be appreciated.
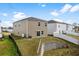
point(45, 24)
point(15, 25)
point(38, 23)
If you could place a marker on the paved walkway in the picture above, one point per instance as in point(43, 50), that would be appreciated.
point(68, 38)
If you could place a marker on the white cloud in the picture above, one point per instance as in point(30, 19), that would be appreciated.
point(6, 23)
point(43, 5)
point(16, 16)
point(70, 21)
point(60, 20)
point(75, 8)
point(54, 13)
point(19, 16)
point(5, 14)
point(66, 8)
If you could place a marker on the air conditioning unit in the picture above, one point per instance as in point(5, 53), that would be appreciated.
point(23, 35)
point(1, 35)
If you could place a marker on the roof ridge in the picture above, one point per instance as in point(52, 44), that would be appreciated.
point(31, 18)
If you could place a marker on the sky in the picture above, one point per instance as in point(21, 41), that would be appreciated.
point(63, 12)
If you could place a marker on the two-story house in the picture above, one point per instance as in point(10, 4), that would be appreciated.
point(59, 27)
point(30, 27)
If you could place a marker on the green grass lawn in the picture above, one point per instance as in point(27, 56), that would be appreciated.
point(7, 48)
point(74, 36)
point(29, 47)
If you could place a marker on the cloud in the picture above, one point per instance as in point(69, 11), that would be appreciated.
point(15, 17)
point(54, 13)
point(6, 23)
point(19, 16)
point(63, 10)
point(5, 14)
point(66, 8)
point(42, 5)
point(75, 8)
point(70, 21)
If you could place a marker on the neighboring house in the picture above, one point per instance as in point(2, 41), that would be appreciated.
point(30, 27)
point(76, 28)
point(10, 29)
point(58, 27)
point(0, 31)
point(7, 29)
point(4, 29)
point(70, 29)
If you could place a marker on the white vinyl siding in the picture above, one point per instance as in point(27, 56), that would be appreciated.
point(52, 27)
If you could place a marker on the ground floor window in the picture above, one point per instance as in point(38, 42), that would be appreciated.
point(38, 33)
point(18, 32)
point(42, 32)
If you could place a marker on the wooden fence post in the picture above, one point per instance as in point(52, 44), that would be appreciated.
point(39, 46)
point(42, 49)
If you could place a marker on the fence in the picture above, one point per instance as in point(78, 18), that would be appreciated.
point(12, 39)
point(39, 47)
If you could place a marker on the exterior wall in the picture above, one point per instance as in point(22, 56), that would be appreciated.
point(56, 28)
point(20, 28)
point(29, 28)
point(61, 28)
point(52, 27)
point(70, 28)
point(33, 28)
point(65, 28)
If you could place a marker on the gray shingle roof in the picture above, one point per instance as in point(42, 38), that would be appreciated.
point(32, 19)
point(53, 21)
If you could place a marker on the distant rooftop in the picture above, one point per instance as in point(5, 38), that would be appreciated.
point(53, 21)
